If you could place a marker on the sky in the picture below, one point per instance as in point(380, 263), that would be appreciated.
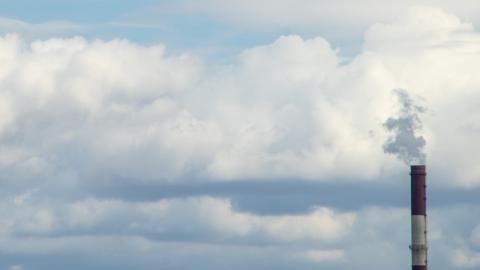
point(237, 134)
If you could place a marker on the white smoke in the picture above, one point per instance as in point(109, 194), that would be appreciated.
point(404, 141)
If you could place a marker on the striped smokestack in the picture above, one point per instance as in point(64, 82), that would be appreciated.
point(419, 217)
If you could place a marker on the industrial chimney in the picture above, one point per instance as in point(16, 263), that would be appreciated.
point(419, 217)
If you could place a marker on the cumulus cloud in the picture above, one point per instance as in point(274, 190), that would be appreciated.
point(74, 110)
point(196, 226)
point(212, 227)
point(64, 91)
point(196, 219)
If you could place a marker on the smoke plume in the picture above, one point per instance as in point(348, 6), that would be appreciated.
point(404, 141)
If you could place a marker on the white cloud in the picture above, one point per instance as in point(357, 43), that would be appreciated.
point(199, 218)
point(205, 217)
point(196, 226)
point(421, 28)
point(465, 258)
point(96, 228)
point(32, 30)
point(323, 255)
point(120, 111)
point(334, 18)
point(212, 227)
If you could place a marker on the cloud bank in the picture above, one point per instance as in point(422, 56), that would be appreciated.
point(119, 111)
